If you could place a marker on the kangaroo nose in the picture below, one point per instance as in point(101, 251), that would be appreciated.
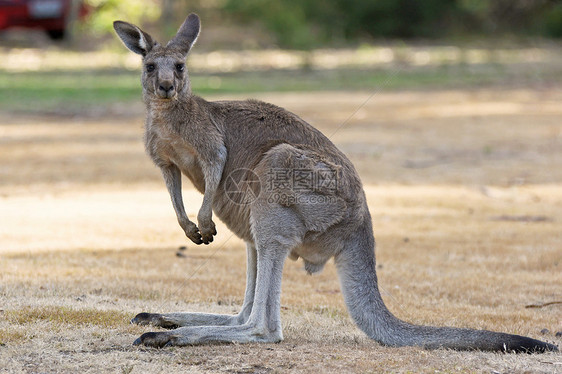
point(166, 87)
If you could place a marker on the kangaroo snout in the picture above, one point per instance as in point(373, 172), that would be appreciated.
point(166, 90)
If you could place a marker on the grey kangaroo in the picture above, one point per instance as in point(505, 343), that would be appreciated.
point(226, 144)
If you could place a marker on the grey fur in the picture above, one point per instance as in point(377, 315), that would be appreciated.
point(206, 142)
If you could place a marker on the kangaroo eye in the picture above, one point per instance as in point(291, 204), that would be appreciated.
point(180, 67)
point(150, 67)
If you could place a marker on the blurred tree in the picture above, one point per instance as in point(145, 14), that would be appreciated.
point(306, 23)
point(288, 20)
point(107, 11)
point(397, 18)
point(507, 16)
point(553, 21)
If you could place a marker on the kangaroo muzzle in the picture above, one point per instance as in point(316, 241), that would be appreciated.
point(166, 90)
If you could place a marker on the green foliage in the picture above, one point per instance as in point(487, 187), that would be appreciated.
point(287, 20)
point(396, 18)
point(107, 11)
point(553, 22)
point(303, 24)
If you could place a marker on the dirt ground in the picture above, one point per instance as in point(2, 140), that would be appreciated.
point(465, 190)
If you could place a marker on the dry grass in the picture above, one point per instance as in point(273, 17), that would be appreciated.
point(465, 193)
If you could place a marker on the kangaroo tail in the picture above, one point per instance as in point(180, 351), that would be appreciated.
point(356, 270)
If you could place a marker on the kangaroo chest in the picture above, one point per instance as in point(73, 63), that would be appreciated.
point(165, 146)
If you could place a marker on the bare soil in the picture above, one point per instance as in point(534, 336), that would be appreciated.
point(465, 189)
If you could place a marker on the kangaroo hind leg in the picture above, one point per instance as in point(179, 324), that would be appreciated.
point(175, 320)
point(276, 231)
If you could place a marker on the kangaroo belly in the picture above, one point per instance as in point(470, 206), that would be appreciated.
point(186, 160)
point(235, 215)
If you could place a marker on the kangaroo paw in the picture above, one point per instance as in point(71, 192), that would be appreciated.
point(155, 339)
point(153, 319)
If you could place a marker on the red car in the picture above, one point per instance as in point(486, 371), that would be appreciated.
point(53, 16)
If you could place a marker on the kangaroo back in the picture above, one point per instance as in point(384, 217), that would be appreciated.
point(356, 269)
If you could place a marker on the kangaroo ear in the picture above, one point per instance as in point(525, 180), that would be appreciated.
point(134, 38)
point(187, 34)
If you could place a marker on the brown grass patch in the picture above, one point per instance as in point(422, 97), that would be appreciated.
point(10, 335)
point(62, 316)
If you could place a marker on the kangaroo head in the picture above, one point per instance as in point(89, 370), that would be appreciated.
point(164, 76)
